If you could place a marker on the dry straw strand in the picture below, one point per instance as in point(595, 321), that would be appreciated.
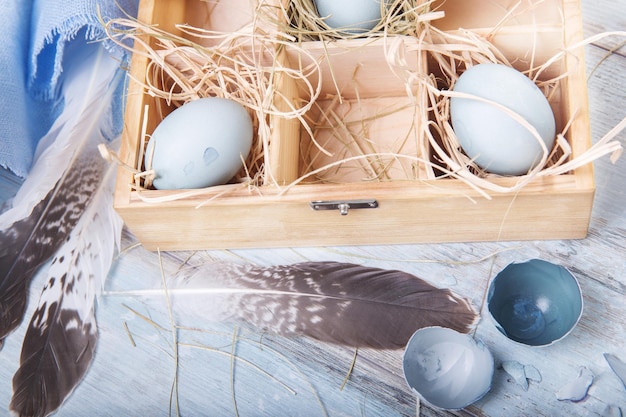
point(244, 64)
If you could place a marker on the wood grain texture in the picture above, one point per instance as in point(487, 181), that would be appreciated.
point(135, 377)
point(450, 210)
point(285, 153)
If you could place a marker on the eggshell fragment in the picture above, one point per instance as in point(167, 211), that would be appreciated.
point(516, 370)
point(521, 373)
point(488, 134)
point(576, 389)
point(617, 366)
point(532, 373)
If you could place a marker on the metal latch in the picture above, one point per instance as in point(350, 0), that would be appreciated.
point(343, 206)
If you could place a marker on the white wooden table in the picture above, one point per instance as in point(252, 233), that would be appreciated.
point(276, 376)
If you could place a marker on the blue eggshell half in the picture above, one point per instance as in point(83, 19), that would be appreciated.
point(535, 303)
point(447, 369)
point(492, 138)
point(200, 144)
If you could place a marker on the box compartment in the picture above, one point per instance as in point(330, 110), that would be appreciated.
point(412, 206)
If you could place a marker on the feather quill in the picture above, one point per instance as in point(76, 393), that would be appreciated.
point(61, 338)
point(62, 180)
point(340, 303)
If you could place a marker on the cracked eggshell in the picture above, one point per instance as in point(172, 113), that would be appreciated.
point(200, 144)
point(447, 369)
point(536, 303)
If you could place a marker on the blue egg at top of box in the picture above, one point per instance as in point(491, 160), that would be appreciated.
point(200, 144)
point(350, 16)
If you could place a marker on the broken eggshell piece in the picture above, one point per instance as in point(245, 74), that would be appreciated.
point(447, 369)
point(576, 390)
point(521, 373)
point(617, 366)
point(535, 303)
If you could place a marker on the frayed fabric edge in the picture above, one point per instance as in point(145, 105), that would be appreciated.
point(46, 89)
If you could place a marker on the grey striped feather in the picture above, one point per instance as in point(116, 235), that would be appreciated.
point(63, 210)
point(58, 187)
point(340, 303)
point(60, 342)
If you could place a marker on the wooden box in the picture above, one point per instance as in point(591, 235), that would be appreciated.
point(331, 212)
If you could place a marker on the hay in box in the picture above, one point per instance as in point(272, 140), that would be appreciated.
point(384, 90)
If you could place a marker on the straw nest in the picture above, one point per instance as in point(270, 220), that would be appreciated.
point(245, 65)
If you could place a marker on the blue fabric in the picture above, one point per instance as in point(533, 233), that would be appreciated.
point(33, 39)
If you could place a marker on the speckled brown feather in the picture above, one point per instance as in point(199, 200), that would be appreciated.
point(74, 222)
point(340, 303)
point(60, 342)
point(32, 241)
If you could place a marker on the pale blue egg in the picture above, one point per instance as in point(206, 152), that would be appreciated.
point(351, 16)
point(495, 140)
point(200, 144)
